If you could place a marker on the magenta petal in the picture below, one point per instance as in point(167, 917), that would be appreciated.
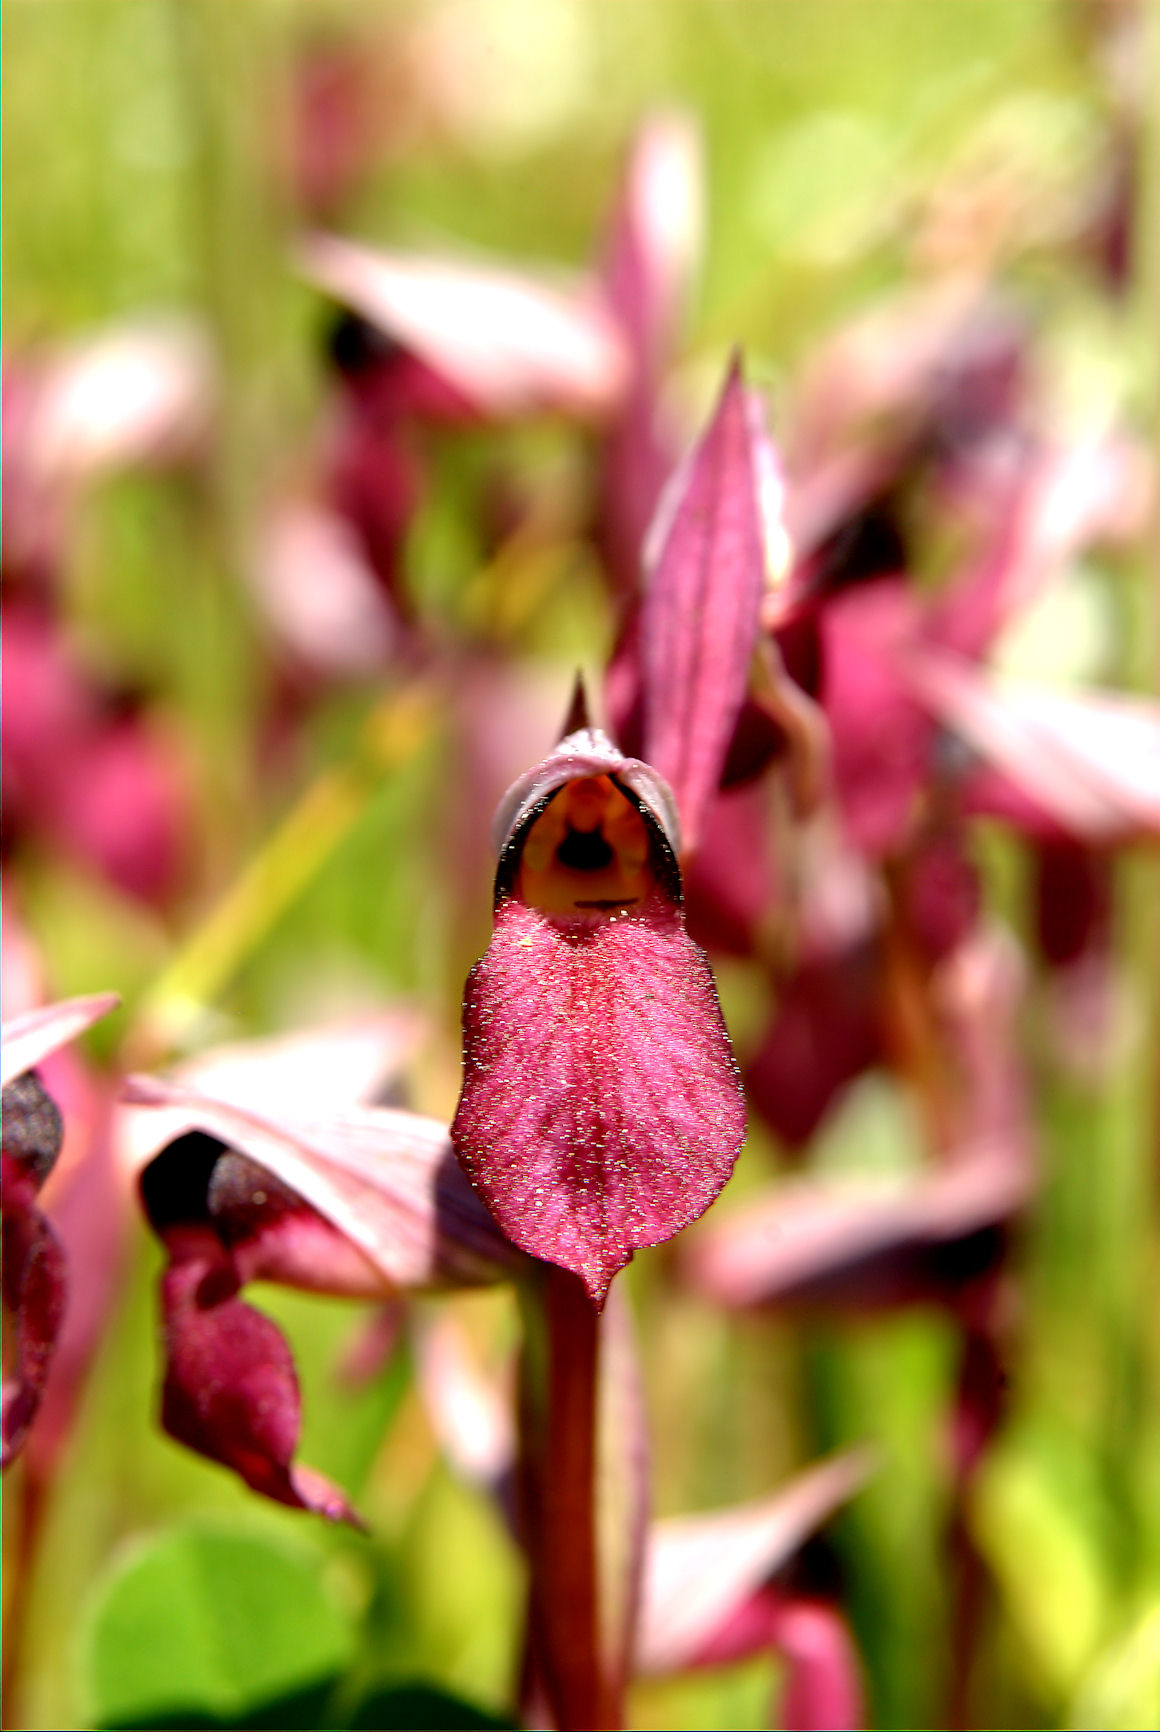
point(700, 614)
point(857, 1244)
point(384, 1181)
point(823, 1684)
point(34, 1295)
point(510, 342)
point(27, 1039)
point(231, 1392)
point(601, 1108)
point(652, 247)
point(702, 1571)
point(273, 1235)
point(1089, 761)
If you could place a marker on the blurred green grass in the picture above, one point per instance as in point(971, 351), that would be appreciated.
point(138, 138)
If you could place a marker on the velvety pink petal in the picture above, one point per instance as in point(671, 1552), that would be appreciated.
point(34, 1298)
point(601, 1109)
point(709, 559)
point(27, 1039)
point(511, 343)
point(701, 1570)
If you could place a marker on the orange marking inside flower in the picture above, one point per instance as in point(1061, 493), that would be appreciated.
point(589, 852)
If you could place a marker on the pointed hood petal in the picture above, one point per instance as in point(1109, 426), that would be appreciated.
point(511, 343)
point(1090, 761)
point(701, 1569)
point(709, 556)
point(27, 1039)
point(385, 1181)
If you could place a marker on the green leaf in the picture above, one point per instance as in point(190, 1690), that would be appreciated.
point(424, 1706)
point(198, 1627)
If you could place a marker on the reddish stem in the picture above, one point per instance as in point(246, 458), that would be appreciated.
point(564, 1663)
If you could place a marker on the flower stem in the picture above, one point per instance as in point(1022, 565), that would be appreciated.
point(564, 1662)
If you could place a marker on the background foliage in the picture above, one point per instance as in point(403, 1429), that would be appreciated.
point(143, 144)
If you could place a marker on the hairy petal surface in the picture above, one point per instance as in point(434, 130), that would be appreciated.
point(601, 1109)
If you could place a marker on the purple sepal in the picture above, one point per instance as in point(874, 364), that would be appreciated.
point(709, 556)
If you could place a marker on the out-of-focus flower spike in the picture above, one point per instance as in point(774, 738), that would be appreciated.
point(1059, 501)
point(384, 1183)
point(1090, 762)
point(27, 1039)
point(652, 250)
point(511, 343)
point(138, 393)
point(655, 238)
point(701, 1571)
point(862, 1244)
point(708, 559)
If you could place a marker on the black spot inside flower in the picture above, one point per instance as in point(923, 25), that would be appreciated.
point(585, 851)
point(175, 1184)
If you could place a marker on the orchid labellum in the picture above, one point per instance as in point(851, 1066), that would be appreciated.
point(601, 1108)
